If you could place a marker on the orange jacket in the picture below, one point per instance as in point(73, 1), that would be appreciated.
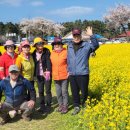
point(59, 64)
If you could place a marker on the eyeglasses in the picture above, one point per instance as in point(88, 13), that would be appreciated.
point(10, 46)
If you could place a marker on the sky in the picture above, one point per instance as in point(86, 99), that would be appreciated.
point(56, 10)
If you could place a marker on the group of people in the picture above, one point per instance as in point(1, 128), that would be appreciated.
point(63, 65)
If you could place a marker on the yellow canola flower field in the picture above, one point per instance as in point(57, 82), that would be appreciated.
point(108, 105)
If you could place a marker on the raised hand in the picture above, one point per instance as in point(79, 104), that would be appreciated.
point(89, 31)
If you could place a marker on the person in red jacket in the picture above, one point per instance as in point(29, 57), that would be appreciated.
point(7, 59)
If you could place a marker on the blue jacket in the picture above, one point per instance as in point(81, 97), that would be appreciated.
point(78, 63)
point(16, 96)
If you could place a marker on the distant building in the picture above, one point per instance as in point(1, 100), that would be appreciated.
point(127, 34)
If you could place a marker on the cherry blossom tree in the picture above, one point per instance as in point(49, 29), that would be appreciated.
point(118, 17)
point(40, 24)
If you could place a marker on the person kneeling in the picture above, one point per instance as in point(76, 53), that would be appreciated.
point(14, 87)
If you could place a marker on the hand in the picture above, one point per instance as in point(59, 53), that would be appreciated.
point(47, 75)
point(68, 74)
point(89, 31)
point(31, 103)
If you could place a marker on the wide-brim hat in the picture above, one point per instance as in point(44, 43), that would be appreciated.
point(38, 40)
point(8, 43)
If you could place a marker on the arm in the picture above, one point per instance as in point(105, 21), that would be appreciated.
point(2, 70)
point(94, 41)
point(18, 62)
point(1, 90)
point(48, 61)
point(31, 89)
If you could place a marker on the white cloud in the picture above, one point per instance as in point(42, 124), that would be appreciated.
point(74, 10)
point(37, 3)
point(11, 2)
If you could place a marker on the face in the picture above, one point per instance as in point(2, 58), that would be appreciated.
point(10, 48)
point(39, 47)
point(58, 47)
point(76, 38)
point(14, 75)
point(26, 49)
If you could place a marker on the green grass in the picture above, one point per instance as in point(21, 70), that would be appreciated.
point(52, 121)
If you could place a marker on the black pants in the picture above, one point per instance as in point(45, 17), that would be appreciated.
point(42, 99)
point(77, 83)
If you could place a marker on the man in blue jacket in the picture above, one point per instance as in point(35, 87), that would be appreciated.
point(14, 87)
point(78, 65)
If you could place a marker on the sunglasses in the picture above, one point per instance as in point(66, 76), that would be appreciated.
point(14, 72)
point(39, 43)
point(26, 46)
point(76, 35)
point(10, 46)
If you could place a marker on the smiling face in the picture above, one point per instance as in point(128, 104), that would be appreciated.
point(10, 48)
point(39, 47)
point(14, 75)
point(58, 47)
point(26, 49)
point(76, 38)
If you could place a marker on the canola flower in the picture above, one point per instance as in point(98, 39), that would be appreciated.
point(108, 107)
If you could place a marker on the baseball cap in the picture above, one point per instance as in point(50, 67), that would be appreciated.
point(25, 43)
point(76, 31)
point(13, 68)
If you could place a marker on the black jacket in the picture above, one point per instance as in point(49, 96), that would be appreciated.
point(46, 62)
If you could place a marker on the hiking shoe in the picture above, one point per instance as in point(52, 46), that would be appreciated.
point(41, 110)
point(26, 118)
point(64, 110)
point(48, 109)
point(76, 110)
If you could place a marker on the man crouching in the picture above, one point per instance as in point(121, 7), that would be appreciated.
point(14, 87)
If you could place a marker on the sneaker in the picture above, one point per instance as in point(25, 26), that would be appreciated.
point(59, 109)
point(26, 118)
point(64, 110)
point(4, 121)
point(76, 110)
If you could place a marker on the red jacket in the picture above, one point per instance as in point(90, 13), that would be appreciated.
point(5, 61)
